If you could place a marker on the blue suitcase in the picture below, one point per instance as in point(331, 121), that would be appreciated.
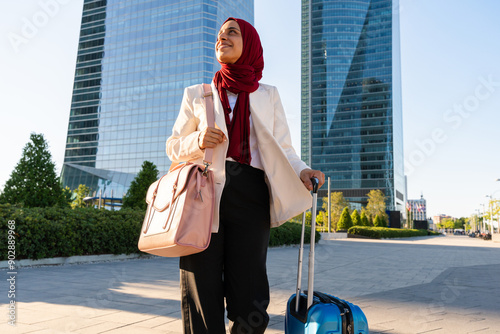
point(318, 312)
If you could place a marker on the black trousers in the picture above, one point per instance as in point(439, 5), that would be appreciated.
point(234, 265)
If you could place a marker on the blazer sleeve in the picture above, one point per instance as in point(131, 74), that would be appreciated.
point(282, 134)
point(182, 145)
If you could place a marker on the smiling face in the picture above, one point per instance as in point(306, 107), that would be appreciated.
point(229, 45)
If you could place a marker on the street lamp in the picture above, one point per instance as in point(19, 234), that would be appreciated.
point(498, 212)
point(491, 213)
point(483, 226)
point(476, 221)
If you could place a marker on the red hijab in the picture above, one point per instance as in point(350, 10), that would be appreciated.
point(241, 78)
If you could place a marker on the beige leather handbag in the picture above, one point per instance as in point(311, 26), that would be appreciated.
point(178, 220)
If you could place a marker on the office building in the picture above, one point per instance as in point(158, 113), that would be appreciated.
point(351, 97)
point(134, 60)
point(417, 208)
point(440, 218)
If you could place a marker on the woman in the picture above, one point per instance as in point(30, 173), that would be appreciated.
point(260, 182)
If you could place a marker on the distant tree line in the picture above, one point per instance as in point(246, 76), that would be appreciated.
point(373, 214)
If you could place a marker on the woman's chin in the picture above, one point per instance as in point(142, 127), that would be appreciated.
point(225, 59)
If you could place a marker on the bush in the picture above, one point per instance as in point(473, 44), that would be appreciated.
point(54, 232)
point(384, 232)
point(379, 221)
point(345, 221)
point(356, 218)
point(364, 219)
point(289, 234)
point(62, 232)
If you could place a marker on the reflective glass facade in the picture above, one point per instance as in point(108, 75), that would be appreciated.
point(351, 96)
point(134, 60)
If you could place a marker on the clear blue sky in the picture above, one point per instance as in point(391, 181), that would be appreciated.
point(450, 51)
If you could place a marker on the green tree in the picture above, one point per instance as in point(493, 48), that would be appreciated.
point(376, 204)
point(448, 224)
point(379, 221)
point(68, 196)
point(356, 218)
point(80, 193)
point(338, 203)
point(385, 220)
point(345, 221)
point(460, 223)
point(321, 218)
point(298, 218)
point(34, 182)
point(364, 218)
point(496, 207)
point(136, 194)
point(451, 224)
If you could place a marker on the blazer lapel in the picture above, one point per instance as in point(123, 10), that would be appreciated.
point(259, 106)
point(220, 119)
point(263, 124)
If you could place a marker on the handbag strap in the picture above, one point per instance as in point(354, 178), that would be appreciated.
point(209, 108)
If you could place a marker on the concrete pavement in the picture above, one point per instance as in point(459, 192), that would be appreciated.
point(420, 285)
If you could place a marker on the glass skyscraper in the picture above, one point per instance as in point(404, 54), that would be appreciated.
point(134, 60)
point(351, 97)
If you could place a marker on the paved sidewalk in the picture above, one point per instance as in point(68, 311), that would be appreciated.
point(431, 284)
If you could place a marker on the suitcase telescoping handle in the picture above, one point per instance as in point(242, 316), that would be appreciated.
point(310, 279)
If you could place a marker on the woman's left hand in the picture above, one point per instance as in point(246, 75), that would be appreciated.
point(307, 174)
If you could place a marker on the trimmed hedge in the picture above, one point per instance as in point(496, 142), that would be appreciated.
point(289, 234)
point(385, 232)
point(62, 232)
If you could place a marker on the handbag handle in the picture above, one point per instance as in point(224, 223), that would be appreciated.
point(154, 198)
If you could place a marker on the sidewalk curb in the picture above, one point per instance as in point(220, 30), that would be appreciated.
point(334, 236)
point(78, 259)
point(73, 260)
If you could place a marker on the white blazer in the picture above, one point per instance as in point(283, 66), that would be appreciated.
point(288, 195)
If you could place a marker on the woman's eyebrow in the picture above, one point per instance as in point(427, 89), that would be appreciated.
point(230, 28)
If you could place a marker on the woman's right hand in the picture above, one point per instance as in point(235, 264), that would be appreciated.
point(210, 137)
